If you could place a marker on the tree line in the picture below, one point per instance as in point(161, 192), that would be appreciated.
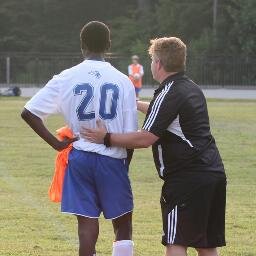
point(210, 28)
point(53, 25)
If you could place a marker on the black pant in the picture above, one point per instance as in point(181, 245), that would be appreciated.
point(193, 210)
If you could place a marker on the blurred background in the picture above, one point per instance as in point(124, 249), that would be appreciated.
point(41, 38)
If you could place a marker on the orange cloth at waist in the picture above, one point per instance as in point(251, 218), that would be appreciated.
point(61, 161)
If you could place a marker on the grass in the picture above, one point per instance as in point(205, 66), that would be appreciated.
point(31, 225)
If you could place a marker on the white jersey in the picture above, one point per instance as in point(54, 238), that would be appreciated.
point(84, 93)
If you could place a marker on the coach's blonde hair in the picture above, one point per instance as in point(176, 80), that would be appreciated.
point(171, 51)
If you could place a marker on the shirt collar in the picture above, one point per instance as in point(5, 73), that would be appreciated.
point(169, 79)
point(96, 62)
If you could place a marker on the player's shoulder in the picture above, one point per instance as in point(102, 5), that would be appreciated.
point(120, 75)
point(124, 82)
point(76, 68)
point(68, 73)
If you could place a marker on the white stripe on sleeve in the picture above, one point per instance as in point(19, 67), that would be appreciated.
point(158, 98)
point(156, 106)
point(160, 153)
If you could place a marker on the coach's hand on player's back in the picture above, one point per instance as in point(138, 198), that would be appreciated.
point(95, 135)
point(60, 145)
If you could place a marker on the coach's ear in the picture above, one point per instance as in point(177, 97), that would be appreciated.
point(160, 65)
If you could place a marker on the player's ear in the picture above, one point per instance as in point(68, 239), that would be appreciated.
point(108, 45)
point(82, 48)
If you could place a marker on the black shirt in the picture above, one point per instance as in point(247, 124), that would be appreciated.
point(178, 115)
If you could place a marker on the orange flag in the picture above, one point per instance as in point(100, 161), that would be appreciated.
point(61, 161)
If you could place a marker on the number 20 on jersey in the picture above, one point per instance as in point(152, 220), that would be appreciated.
point(109, 95)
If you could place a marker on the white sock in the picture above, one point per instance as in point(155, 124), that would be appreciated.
point(123, 248)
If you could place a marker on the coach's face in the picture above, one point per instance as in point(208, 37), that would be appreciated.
point(155, 67)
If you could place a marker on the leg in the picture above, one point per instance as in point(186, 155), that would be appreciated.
point(116, 200)
point(123, 246)
point(123, 227)
point(176, 250)
point(207, 252)
point(88, 230)
point(79, 185)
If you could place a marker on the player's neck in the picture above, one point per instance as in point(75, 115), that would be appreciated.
point(94, 56)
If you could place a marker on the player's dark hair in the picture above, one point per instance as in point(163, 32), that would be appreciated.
point(95, 37)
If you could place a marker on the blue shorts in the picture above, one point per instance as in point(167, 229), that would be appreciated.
point(95, 183)
point(137, 90)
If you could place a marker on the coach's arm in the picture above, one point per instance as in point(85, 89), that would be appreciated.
point(139, 139)
point(143, 106)
point(38, 126)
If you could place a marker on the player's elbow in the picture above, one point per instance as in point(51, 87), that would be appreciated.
point(25, 115)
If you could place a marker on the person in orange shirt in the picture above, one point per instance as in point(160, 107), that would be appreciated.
point(136, 72)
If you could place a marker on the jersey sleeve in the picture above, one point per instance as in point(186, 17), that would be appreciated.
point(46, 101)
point(129, 70)
point(141, 70)
point(130, 108)
point(162, 111)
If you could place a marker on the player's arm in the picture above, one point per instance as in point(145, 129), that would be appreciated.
point(141, 71)
point(130, 71)
point(143, 106)
point(38, 126)
point(44, 103)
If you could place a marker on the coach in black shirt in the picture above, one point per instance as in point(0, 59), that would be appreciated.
point(185, 154)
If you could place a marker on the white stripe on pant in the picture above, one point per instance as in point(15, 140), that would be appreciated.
point(172, 225)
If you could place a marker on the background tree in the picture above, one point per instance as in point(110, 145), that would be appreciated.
point(52, 26)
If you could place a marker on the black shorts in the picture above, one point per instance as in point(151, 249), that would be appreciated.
point(193, 210)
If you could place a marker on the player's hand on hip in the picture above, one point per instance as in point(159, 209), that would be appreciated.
point(95, 135)
point(60, 145)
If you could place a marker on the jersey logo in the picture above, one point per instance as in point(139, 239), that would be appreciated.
point(95, 73)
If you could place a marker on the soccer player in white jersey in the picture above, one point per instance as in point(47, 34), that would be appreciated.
point(96, 178)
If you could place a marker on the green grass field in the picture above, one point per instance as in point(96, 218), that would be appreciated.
point(31, 225)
